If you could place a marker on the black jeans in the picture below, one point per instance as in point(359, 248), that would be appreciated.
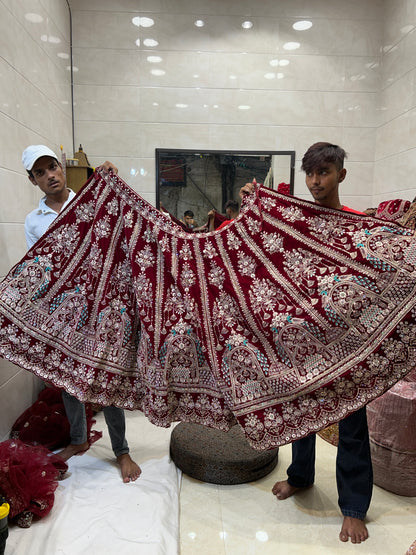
point(354, 470)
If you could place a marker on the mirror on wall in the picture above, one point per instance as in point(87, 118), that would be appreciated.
point(202, 180)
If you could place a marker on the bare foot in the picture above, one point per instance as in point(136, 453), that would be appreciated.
point(71, 450)
point(130, 471)
point(353, 528)
point(283, 490)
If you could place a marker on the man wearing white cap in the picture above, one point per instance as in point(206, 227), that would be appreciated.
point(45, 171)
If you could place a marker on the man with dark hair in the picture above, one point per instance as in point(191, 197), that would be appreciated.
point(188, 219)
point(231, 209)
point(323, 165)
point(45, 171)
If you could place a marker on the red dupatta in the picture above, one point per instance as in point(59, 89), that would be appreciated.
point(289, 319)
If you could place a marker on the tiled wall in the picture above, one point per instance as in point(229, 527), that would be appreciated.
point(352, 81)
point(395, 158)
point(217, 86)
point(35, 107)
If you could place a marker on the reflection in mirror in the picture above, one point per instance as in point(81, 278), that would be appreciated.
point(202, 181)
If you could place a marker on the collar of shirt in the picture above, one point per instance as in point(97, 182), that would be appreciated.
point(45, 209)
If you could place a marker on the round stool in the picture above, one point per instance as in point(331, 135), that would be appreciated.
point(218, 457)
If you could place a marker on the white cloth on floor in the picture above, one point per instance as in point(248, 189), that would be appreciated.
point(95, 513)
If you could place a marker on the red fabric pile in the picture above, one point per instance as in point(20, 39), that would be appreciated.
point(28, 480)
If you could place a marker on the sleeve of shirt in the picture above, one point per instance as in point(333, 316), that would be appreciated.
point(31, 238)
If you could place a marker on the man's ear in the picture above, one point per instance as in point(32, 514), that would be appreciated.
point(32, 180)
point(342, 175)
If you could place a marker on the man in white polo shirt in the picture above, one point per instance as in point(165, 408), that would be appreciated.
point(45, 171)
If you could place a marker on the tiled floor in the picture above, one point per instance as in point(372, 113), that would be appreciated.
point(247, 519)
point(243, 519)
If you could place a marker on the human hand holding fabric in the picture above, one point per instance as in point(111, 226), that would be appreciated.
point(248, 188)
point(107, 167)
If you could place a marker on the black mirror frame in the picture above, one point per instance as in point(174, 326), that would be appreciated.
point(177, 151)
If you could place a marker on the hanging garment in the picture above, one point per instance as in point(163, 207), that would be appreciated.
point(287, 320)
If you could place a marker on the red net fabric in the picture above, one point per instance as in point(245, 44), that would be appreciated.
point(287, 320)
point(28, 480)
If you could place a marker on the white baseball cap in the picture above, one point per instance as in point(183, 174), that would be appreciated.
point(33, 153)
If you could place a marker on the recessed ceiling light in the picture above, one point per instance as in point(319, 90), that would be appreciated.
point(138, 42)
point(244, 107)
point(63, 55)
point(150, 42)
point(33, 17)
point(143, 21)
point(283, 63)
point(302, 25)
point(247, 24)
point(154, 59)
point(291, 45)
point(274, 62)
point(157, 72)
point(269, 75)
point(179, 105)
point(199, 23)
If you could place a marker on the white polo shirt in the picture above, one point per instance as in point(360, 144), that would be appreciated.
point(38, 221)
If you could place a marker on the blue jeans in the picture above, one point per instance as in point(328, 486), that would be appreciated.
point(354, 470)
point(114, 417)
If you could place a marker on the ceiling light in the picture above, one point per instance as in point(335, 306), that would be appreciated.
point(274, 63)
point(33, 17)
point(269, 75)
point(302, 25)
point(283, 63)
point(138, 42)
point(143, 21)
point(291, 45)
point(150, 42)
point(154, 59)
point(247, 24)
point(179, 105)
point(199, 23)
point(244, 107)
point(63, 55)
point(157, 72)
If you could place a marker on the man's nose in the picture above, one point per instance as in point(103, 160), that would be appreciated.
point(315, 178)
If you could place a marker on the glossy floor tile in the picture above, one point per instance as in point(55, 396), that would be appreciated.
point(247, 519)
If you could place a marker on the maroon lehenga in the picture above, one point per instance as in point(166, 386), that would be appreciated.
point(287, 320)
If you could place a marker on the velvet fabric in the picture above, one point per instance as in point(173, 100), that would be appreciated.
point(45, 422)
point(287, 320)
point(392, 210)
